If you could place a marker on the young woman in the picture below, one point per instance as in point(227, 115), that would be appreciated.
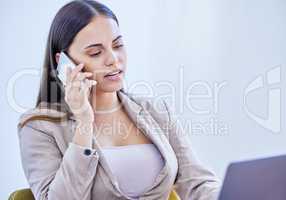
point(90, 139)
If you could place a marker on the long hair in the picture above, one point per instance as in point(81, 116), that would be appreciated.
point(68, 21)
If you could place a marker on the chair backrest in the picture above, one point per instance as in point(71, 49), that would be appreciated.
point(26, 194)
point(23, 194)
point(174, 196)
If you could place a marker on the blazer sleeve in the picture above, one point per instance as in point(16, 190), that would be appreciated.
point(194, 181)
point(51, 175)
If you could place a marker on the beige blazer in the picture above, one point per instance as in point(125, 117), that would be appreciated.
point(57, 169)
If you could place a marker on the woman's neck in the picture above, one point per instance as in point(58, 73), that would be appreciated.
point(105, 102)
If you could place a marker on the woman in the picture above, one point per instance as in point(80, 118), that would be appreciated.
point(68, 152)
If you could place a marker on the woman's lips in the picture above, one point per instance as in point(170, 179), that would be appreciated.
point(114, 77)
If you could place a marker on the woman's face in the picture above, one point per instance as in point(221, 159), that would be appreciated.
point(99, 45)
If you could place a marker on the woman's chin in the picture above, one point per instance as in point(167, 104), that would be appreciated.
point(111, 87)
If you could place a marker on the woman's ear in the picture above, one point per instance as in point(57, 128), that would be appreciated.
point(57, 57)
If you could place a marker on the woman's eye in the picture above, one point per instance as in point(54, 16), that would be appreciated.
point(118, 46)
point(95, 54)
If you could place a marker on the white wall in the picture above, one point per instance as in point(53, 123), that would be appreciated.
point(215, 48)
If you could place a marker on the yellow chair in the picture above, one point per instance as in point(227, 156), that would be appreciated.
point(26, 194)
point(174, 196)
point(23, 194)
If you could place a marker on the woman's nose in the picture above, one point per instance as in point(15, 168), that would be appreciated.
point(111, 58)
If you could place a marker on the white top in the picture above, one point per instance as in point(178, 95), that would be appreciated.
point(135, 166)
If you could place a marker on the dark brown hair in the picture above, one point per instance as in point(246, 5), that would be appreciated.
point(68, 21)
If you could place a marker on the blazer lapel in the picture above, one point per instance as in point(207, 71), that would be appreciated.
point(143, 120)
point(151, 129)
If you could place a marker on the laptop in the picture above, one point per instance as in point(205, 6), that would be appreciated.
point(260, 179)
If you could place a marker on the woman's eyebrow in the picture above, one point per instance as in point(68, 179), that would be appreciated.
point(95, 45)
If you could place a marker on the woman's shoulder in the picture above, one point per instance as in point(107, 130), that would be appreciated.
point(39, 128)
point(41, 118)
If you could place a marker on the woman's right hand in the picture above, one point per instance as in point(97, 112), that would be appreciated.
point(77, 93)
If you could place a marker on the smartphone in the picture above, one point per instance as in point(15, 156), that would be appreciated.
point(64, 62)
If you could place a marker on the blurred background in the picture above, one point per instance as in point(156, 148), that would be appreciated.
point(221, 63)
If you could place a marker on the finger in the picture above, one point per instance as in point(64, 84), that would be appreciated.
point(82, 84)
point(76, 70)
point(68, 72)
point(88, 84)
point(76, 84)
point(91, 83)
point(82, 75)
